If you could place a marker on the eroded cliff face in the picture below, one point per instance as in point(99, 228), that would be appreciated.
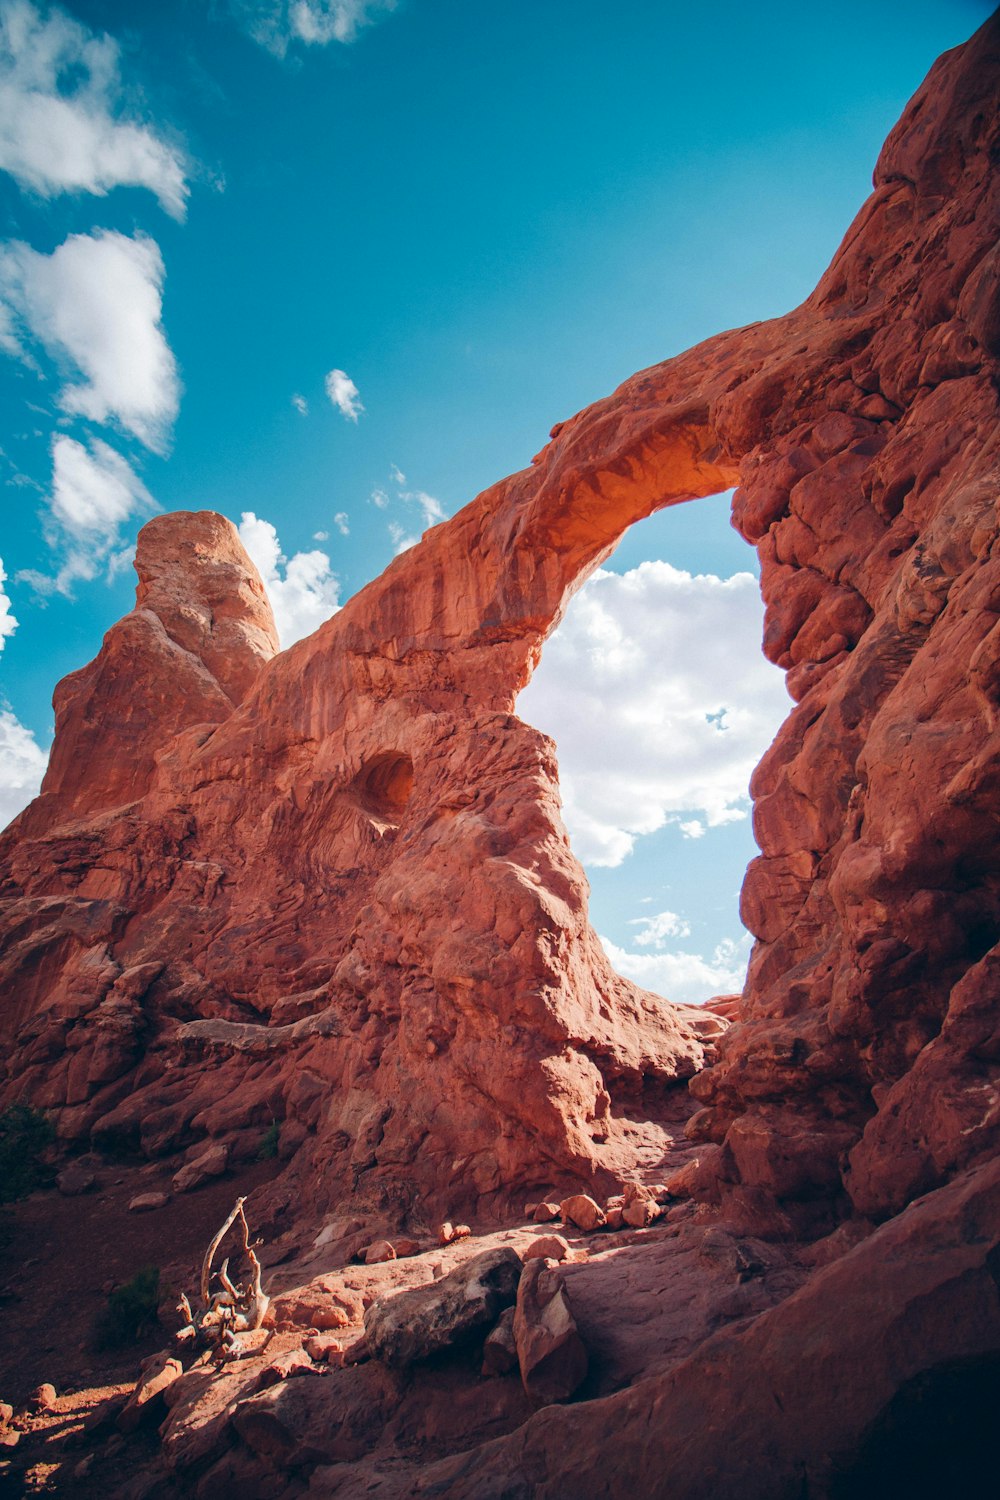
point(331, 886)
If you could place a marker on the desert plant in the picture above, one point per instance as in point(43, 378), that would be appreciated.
point(269, 1142)
point(130, 1311)
point(25, 1134)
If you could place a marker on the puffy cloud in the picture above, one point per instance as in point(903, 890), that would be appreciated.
point(302, 589)
point(63, 126)
point(669, 666)
point(686, 977)
point(278, 24)
point(656, 930)
point(344, 394)
point(22, 766)
point(342, 521)
point(301, 405)
point(96, 304)
point(379, 499)
point(94, 493)
point(8, 623)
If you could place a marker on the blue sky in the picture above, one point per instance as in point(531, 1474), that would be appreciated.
point(336, 266)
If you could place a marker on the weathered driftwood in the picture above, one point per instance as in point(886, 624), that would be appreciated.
point(232, 1309)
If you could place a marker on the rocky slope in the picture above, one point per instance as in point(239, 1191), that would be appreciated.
point(331, 887)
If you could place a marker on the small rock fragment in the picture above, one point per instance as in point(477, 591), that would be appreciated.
point(294, 1362)
point(6, 1413)
point(449, 1232)
point(75, 1179)
point(550, 1351)
point(500, 1350)
point(146, 1403)
point(640, 1207)
point(405, 1247)
point(582, 1211)
point(547, 1247)
point(44, 1398)
point(145, 1202)
point(211, 1163)
point(320, 1347)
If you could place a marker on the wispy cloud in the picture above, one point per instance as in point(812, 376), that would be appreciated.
point(95, 303)
point(669, 665)
point(342, 521)
point(279, 24)
point(432, 510)
point(344, 394)
point(301, 405)
point(302, 589)
point(401, 539)
point(64, 125)
point(94, 493)
point(655, 931)
point(690, 978)
point(379, 499)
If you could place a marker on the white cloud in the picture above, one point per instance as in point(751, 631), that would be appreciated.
point(22, 766)
point(401, 539)
point(301, 405)
point(688, 978)
point(321, 536)
point(669, 665)
point(342, 521)
point(379, 499)
point(302, 589)
point(694, 829)
point(95, 303)
point(344, 394)
point(656, 930)
point(396, 474)
point(8, 623)
point(431, 509)
point(278, 24)
point(63, 125)
point(94, 493)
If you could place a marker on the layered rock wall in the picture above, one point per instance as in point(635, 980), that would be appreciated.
point(333, 888)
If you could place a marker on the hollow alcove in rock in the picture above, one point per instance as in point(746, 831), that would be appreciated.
point(384, 786)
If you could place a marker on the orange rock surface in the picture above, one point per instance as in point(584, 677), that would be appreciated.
point(330, 887)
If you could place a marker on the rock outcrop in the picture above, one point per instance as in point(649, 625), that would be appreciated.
point(330, 888)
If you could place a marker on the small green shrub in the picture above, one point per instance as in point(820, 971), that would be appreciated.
point(130, 1310)
point(25, 1133)
point(269, 1142)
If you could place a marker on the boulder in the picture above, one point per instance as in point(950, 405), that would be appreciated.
point(550, 1351)
point(546, 1247)
point(378, 1252)
point(75, 1178)
point(413, 1325)
point(583, 1212)
point(545, 1213)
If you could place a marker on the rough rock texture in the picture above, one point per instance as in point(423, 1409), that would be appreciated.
point(331, 888)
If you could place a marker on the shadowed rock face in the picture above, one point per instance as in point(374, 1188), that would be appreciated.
point(332, 886)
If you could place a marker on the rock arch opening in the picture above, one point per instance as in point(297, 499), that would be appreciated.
point(656, 691)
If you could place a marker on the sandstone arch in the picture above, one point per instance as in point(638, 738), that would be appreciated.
point(462, 1035)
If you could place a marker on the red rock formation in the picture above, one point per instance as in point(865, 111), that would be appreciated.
point(333, 888)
